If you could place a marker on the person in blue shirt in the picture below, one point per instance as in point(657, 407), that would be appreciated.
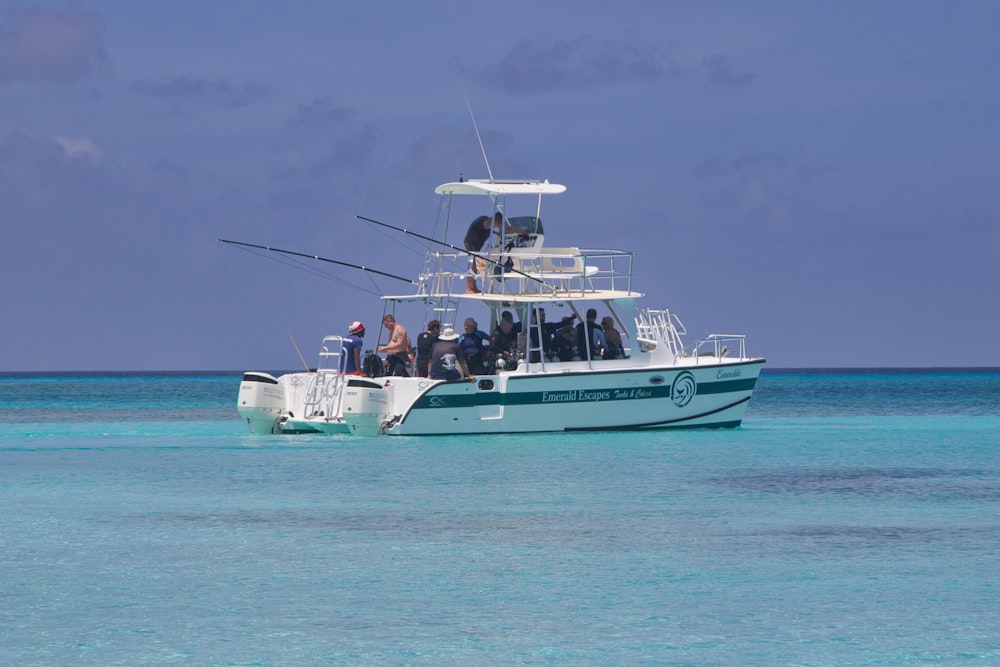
point(350, 359)
point(474, 344)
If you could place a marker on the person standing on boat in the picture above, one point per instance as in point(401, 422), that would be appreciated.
point(475, 238)
point(615, 349)
point(350, 353)
point(590, 330)
point(474, 344)
point(447, 360)
point(425, 343)
point(398, 349)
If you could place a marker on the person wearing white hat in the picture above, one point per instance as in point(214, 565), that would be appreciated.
point(447, 359)
point(350, 358)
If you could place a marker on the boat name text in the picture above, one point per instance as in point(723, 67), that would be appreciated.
point(583, 395)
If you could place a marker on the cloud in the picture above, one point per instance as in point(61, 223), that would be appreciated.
point(320, 112)
point(45, 172)
point(533, 67)
point(59, 46)
point(716, 168)
point(185, 93)
point(40, 175)
point(346, 157)
point(721, 73)
point(83, 147)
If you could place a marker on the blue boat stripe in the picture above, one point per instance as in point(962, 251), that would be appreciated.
point(668, 422)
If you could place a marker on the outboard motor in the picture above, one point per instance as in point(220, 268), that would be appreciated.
point(367, 405)
point(261, 402)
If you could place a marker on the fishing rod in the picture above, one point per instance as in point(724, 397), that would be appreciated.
point(504, 267)
point(318, 258)
point(482, 146)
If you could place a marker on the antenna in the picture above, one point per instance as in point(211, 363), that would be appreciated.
point(479, 137)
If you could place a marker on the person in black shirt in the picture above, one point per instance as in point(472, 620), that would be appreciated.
point(503, 341)
point(425, 343)
point(475, 238)
point(549, 332)
point(564, 344)
point(590, 330)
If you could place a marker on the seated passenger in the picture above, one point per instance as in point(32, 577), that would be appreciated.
point(447, 360)
point(503, 342)
point(615, 349)
point(474, 344)
point(564, 344)
point(549, 332)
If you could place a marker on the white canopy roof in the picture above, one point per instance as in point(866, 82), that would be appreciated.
point(485, 187)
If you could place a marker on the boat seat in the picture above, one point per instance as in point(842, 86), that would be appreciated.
point(555, 264)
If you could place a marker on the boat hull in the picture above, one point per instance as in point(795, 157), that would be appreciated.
point(625, 397)
point(653, 398)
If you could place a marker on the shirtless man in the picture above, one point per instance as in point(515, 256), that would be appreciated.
point(398, 348)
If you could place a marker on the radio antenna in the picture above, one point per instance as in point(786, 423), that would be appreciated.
point(479, 137)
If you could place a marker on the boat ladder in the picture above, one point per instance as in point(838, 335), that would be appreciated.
point(438, 283)
point(324, 396)
point(443, 310)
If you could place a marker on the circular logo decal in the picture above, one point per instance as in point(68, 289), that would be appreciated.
point(683, 389)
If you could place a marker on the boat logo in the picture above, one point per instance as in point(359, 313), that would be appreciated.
point(683, 389)
point(438, 402)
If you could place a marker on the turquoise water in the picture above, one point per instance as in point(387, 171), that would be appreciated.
point(854, 519)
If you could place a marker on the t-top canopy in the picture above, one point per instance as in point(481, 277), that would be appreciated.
point(485, 187)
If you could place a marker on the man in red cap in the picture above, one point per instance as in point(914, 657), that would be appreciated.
point(350, 361)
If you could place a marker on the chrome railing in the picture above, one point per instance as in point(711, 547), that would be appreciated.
point(556, 271)
point(656, 325)
point(720, 346)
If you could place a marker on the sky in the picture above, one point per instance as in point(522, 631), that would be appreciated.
point(819, 176)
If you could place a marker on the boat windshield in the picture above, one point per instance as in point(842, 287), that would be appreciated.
point(529, 223)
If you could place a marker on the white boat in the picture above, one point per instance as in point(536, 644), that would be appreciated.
point(658, 382)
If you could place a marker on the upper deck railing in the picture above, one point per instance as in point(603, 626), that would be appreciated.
point(551, 272)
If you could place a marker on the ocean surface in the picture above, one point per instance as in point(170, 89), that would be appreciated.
point(854, 519)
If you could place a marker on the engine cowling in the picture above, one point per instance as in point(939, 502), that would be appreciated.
point(366, 407)
point(261, 402)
